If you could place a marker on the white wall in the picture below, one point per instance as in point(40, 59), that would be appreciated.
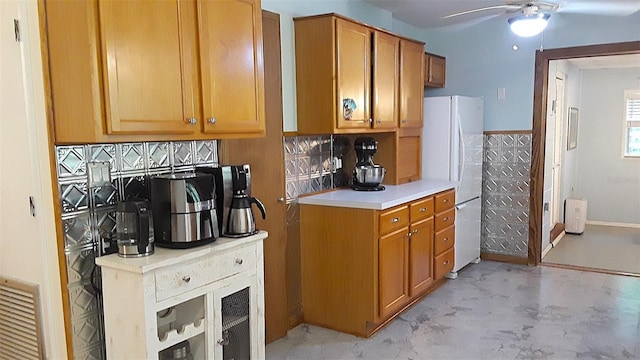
point(354, 9)
point(610, 183)
point(28, 248)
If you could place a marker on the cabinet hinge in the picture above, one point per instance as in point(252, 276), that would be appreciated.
point(16, 29)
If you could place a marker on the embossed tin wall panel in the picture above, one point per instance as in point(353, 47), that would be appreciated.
point(308, 165)
point(88, 218)
point(505, 195)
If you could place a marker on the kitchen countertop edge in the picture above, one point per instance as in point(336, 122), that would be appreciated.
point(163, 257)
point(393, 195)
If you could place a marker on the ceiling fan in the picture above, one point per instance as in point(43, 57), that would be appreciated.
point(530, 17)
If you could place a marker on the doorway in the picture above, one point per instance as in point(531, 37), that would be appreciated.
point(540, 118)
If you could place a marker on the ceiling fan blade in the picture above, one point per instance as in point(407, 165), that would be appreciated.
point(603, 7)
point(482, 9)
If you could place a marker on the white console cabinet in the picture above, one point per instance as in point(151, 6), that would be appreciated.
point(211, 296)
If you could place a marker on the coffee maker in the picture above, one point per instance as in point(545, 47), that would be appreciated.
point(184, 209)
point(367, 176)
point(224, 189)
point(240, 221)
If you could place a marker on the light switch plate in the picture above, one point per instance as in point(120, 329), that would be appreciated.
point(99, 173)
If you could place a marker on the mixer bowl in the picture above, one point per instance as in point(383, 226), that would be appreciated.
point(369, 175)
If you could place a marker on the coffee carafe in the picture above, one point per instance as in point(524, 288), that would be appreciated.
point(134, 228)
point(240, 221)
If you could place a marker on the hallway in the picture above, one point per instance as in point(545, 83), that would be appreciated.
point(496, 311)
point(600, 247)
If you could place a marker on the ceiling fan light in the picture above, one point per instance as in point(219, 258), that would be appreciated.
point(526, 26)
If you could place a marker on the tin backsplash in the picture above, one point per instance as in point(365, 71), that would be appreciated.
point(505, 194)
point(88, 216)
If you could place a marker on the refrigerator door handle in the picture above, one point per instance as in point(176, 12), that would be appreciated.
point(461, 155)
point(464, 203)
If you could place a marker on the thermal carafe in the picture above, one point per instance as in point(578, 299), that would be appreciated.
point(184, 208)
point(134, 228)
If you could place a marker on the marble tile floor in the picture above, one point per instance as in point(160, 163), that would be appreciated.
point(599, 247)
point(496, 311)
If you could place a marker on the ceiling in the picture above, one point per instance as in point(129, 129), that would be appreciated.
point(428, 14)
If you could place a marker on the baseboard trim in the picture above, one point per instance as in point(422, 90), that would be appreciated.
point(547, 249)
point(606, 223)
point(557, 240)
point(505, 258)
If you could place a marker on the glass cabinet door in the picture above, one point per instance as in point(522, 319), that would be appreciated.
point(235, 309)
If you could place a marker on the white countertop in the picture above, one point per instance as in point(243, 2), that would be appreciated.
point(378, 200)
point(166, 257)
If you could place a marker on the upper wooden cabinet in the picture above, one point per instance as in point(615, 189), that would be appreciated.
point(435, 70)
point(347, 76)
point(157, 70)
point(386, 67)
point(411, 84)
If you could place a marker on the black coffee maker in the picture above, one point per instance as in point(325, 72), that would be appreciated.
point(367, 176)
point(240, 221)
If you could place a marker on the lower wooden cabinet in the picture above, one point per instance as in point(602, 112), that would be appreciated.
point(444, 238)
point(362, 267)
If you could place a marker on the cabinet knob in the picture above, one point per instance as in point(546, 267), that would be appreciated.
point(239, 261)
point(225, 338)
point(211, 120)
point(395, 220)
point(378, 121)
point(281, 199)
point(446, 262)
point(192, 120)
point(415, 231)
point(423, 209)
point(370, 121)
point(446, 219)
point(186, 278)
point(404, 121)
point(445, 239)
point(445, 201)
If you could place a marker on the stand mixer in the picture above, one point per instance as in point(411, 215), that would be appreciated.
point(367, 176)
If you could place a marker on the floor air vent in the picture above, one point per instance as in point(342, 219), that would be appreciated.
point(20, 334)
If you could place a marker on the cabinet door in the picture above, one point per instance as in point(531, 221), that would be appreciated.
point(420, 256)
point(435, 70)
point(150, 74)
point(392, 272)
point(386, 50)
point(411, 84)
point(238, 328)
point(232, 66)
point(353, 75)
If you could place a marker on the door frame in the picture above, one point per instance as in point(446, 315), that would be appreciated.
point(541, 84)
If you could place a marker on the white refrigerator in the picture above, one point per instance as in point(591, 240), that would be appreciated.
point(452, 149)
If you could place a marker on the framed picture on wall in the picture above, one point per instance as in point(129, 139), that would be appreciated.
point(572, 131)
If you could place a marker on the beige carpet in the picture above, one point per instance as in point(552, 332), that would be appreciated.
point(599, 247)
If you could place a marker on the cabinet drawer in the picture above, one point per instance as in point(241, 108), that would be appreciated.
point(394, 219)
point(421, 209)
point(443, 264)
point(181, 278)
point(445, 200)
point(445, 219)
point(444, 240)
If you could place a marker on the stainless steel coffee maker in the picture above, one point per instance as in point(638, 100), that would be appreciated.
point(184, 208)
point(241, 221)
point(231, 179)
point(134, 228)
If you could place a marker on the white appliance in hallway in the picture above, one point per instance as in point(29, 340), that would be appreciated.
point(452, 149)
